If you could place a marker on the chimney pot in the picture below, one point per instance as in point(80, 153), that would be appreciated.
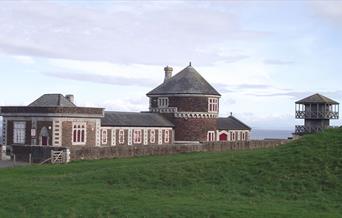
point(168, 73)
point(70, 98)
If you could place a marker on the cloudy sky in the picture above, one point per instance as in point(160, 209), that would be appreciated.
point(260, 55)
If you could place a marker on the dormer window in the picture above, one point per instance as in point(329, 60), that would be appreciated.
point(163, 102)
point(212, 104)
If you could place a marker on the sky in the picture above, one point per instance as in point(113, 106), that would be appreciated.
point(261, 56)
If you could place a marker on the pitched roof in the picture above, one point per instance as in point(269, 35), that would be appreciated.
point(52, 100)
point(134, 119)
point(316, 98)
point(187, 81)
point(231, 123)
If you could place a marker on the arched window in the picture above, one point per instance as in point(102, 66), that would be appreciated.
point(121, 136)
point(79, 132)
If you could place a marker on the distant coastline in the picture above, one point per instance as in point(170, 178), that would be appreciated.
point(267, 133)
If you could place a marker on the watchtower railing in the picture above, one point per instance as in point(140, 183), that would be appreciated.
point(317, 115)
point(301, 129)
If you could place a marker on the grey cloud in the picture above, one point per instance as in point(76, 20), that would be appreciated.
point(119, 32)
point(224, 88)
point(277, 62)
point(105, 79)
point(302, 94)
point(253, 86)
point(329, 10)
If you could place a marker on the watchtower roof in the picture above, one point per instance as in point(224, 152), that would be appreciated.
point(187, 81)
point(52, 100)
point(316, 99)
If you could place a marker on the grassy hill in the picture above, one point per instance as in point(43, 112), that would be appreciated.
point(300, 179)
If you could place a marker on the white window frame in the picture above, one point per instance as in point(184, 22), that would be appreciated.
point(137, 136)
point(213, 105)
point(19, 132)
point(211, 136)
point(121, 136)
point(232, 136)
point(79, 127)
point(104, 136)
point(113, 137)
point(166, 136)
point(163, 102)
point(152, 136)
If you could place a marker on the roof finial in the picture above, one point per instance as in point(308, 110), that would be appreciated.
point(190, 64)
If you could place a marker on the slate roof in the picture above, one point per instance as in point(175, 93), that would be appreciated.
point(187, 81)
point(316, 98)
point(134, 119)
point(52, 100)
point(231, 123)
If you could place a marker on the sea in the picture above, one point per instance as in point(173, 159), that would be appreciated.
point(270, 134)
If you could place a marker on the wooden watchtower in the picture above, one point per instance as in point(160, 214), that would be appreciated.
point(316, 110)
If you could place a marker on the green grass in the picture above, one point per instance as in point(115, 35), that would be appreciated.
point(300, 179)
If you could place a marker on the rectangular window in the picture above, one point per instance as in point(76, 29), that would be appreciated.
point(152, 136)
point(121, 136)
point(137, 136)
point(166, 136)
point(211, 136)
point(19, 132)
point(79, 133)
point(163, 102)
point(212, 104)
point(104, 136)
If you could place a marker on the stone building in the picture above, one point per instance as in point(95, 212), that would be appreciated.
point(54, 120)
point(189, 102)
point(183, 109)
point(316, 110)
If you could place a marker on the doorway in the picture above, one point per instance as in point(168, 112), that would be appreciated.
point(223, 137)
point(44, 136)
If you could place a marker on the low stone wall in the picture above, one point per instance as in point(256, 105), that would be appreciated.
point(39, 154)
point(91, 153)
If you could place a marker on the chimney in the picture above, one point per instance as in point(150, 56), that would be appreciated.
point(168, 73)
point(70, 98)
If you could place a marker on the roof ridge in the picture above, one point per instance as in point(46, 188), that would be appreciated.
point(186, 81)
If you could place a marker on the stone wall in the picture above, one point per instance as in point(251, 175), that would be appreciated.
point(41, 153)
point(193, 129)
point(92, 153)
point(38, 153)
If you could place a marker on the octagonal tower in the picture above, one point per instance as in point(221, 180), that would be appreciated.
point(189, 102)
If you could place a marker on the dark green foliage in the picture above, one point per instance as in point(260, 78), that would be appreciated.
point(300, 179)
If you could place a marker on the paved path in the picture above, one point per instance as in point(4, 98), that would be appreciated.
point(8, 163)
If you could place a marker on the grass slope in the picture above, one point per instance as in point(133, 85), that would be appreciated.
point(300, 179)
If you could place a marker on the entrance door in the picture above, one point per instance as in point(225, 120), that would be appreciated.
point(45, 140)
point(223, 137)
